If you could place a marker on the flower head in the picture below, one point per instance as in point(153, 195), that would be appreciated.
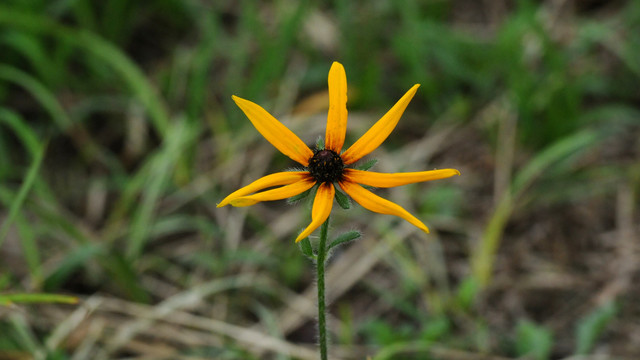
point(328, 166)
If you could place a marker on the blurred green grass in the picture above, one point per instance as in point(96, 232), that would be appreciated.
point(118, 136)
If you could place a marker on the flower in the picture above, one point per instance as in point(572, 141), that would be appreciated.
point(328, 166)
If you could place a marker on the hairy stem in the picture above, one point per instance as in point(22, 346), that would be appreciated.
point(321, 260)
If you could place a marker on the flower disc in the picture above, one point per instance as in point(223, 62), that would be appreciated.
point(326, 166)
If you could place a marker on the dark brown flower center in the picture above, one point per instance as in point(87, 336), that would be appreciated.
point(326, 166)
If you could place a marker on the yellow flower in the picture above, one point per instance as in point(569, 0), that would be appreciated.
point(328, 166)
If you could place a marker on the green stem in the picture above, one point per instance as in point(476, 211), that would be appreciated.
point(321, 260)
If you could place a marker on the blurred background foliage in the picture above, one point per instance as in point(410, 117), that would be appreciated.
point(118, 136)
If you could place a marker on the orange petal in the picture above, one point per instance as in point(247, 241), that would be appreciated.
point(281, 178)
point(383, 180)
point(337, 117)
point(379, 131)
point(275, 132)
point(321, 209)
point(375, 203)
point(283, 192)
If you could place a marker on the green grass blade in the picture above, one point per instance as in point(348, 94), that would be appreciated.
point(30, 250)
point(484, 255)
point(533, 341)
point(24, 335)
point(39, 92)
point(19, 126)
point(16, 205)
point(102, 50)
point(32, 51)
point(551, 155)
point(591, 326)
point(123, 273)
point(157, 177)
point(51, 104)
point(73, 259)
point(7, 299)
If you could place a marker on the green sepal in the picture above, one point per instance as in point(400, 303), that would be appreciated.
point(305, 247)
point(345, 238)
point(320, 143)
point(343, 200)
point(294, 199)
point(367, 165)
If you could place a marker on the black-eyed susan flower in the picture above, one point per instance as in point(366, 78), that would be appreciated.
point(329, 166)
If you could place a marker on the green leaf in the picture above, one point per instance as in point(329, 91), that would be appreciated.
point(436, 328)
point(305, 247)
point(296, 198)
point(367, 165)
point(343, 200)
point(320, 143)
point(345, 238)
point(591, 326)
point(533, 340)
point(466, 294)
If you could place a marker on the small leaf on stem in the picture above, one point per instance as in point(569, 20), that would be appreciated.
point(343, 200)
point(345, 238)
point(305, 247)
point(367, 165)
point(296, 198)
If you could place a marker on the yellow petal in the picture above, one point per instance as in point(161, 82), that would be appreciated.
point(275, 132)
point(383, 180)
point(283, 192)
point(281, 178)
point(337, 118)
point(375, 203)
point(321, 209)
point(379, 131)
